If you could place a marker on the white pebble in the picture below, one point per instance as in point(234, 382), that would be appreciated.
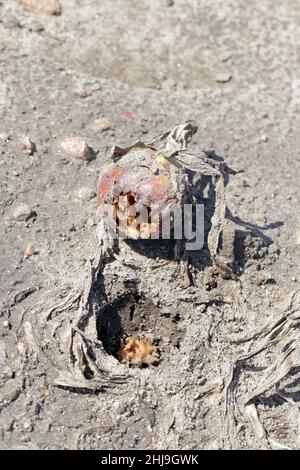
point(30, 251)
point(28, 145)
point(27, 426)
point(76, 147)
point(4, 136)
point(101, 125)
point(22, 212)
point(223, 77)
point(81, 92)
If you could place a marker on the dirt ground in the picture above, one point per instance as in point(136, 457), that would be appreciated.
point(233, 67)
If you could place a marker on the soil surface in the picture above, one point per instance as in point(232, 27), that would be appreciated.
point(113, 73)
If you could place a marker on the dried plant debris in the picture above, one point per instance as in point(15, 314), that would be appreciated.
point(138, 352)
point(279, 341)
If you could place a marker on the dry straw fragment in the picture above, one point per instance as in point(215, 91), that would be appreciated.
point(282, 332)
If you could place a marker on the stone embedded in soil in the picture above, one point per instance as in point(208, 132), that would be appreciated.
point(36, 26)
point(42, 7)
point(223, 77)
point(22, 212)
point(27, 145)
point(264, 138)
point(30, 251)
point(4, 136)
point(86, 194)
point(90, 223)
point(27, 426)
point(81, 92)
point(76, 147)
point(101, 125)
point(127, 115)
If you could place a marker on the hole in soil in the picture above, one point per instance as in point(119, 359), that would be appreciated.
point(134, 321)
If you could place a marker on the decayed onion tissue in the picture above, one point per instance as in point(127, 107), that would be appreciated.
point(137, 351)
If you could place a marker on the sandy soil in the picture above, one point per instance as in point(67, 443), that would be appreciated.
point(233, 67)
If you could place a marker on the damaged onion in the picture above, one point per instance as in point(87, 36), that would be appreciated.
point(138, 192)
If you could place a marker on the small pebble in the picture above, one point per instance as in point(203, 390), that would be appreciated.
point(264, 138)
point(90, 223)
point(42, 7)
point(27, 426)
point(8, 373)
point(28, 146)
point(30, 251)
point(101, 125)
point(223, 77)
point(4, 136)
point(128, 115)
point(81, 92)
point(22, 212)
point(11, 21)
point(226, 56)
point(76, 147)
point(5, 324)
point(86, 194)
point(36, 27)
